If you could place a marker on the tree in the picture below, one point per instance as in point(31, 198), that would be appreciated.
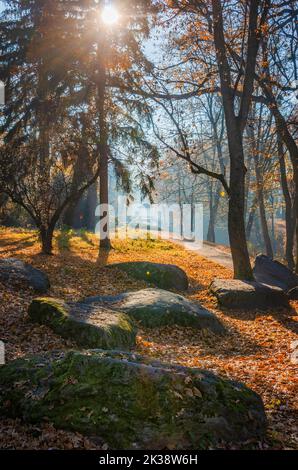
point(71, 93)
point(236, 122)
point(216, 117)
point(289, 205)
point(276, 74)
point(215, 65)
point(113, 55)
point(256, 147)
point(38, 154)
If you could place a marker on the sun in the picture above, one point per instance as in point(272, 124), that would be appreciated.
point(109, 15)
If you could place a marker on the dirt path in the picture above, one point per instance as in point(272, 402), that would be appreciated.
point(209, 251)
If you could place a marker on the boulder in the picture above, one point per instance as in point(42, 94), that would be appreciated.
point(232, 293)
point(14, 271)
point(130, 401)
point(157, 307)
point(90, 326)
point(274, 273)
point(164, 276)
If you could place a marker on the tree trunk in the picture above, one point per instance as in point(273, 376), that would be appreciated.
point(255, 145)
point(235, 125)
point(105, 243)
point(69, 215)
point(262, 209)
point(287, 138)
point(46, 236)
point(211, 226)
point(91, 204)
point(257, 233)
point(213, 208)
point(293, 152)
point(251, 218)
point(264, 225)
point(290, 220)
point(236, 224)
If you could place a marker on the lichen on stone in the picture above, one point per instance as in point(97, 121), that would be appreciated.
point(130, 401)
point(88, 327)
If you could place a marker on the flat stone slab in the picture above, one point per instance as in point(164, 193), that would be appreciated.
point(90, 326)
point(157, 307)
point(130, 401)
point(15, 272)
point(274, 273)
point(164, 276)
point(232, 293)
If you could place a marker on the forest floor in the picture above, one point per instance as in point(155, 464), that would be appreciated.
point(256, 350)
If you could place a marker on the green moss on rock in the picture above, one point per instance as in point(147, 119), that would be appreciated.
point(164, 276)
point(154, 308)
point(130, 401)
point(88, 326)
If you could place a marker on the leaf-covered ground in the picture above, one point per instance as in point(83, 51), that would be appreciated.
point(256, 351)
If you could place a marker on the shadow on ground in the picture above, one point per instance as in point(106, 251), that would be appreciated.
point(14, 245)
point(282, 315)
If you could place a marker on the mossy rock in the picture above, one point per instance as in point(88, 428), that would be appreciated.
point(130, 401)
point(15, 272)
point(154, 308)
point(89, 326)
point(164, 276)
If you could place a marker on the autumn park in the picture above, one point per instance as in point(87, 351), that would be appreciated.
point(148, 228)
